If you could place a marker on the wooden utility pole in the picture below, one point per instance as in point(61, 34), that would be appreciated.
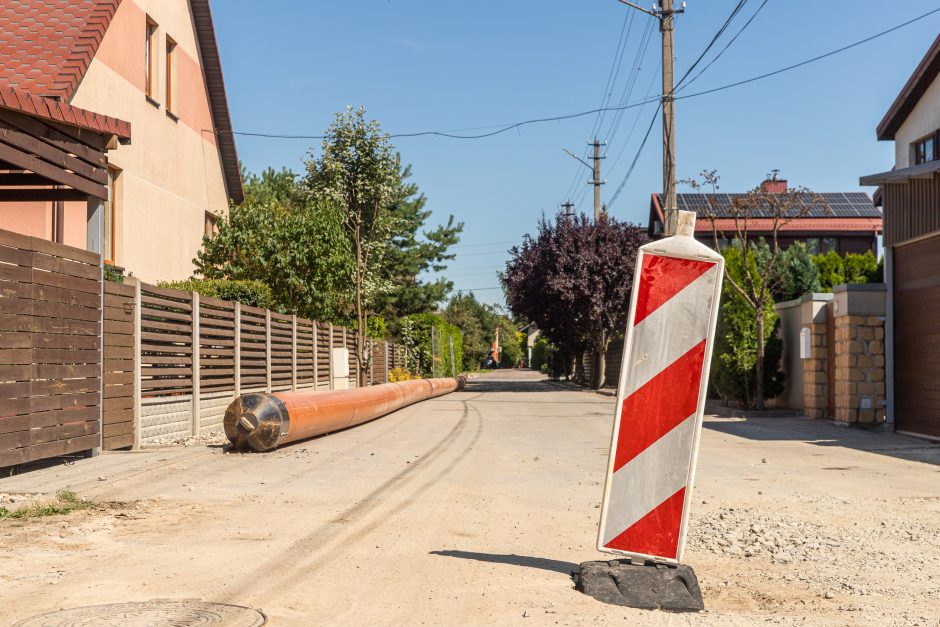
point(597, 182)
point(567, 206)
point(670, 211)
point(596, 179)
point(666, 16)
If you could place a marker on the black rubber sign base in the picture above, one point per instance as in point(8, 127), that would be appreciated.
point(646, 586)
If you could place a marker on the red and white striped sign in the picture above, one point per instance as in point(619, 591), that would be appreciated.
point(661, 397)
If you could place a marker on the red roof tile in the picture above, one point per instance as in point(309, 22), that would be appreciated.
point(48, 109)
point(759, 225)
point(46, 45)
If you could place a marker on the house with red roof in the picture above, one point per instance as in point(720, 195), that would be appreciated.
point(844, 222)
point(139, 81)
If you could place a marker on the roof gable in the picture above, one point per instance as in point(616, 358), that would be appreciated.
point(923, 76)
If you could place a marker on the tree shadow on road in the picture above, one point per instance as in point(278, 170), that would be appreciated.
point(827, 433)
point(513, 385)
point(527, 561)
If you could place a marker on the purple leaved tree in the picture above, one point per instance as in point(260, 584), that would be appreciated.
point(573, 280)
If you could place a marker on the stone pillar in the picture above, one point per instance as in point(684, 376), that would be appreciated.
point(860, 353)
point(813, 308)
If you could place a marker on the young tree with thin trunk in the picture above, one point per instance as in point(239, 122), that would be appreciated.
point(758, 278)
point(358, 170)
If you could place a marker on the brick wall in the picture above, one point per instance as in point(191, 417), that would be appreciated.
point(860, 369)
point(860, 354)
point(815, 378)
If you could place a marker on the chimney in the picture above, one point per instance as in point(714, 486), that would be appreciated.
point(774, 185)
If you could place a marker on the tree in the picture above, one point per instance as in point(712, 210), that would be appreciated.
point(573, 279)
point(358, 171)
point(760, 274)
point(798, 273)
point(734, 358)
point(469, 315)
point(292, 243)
point(412, 253)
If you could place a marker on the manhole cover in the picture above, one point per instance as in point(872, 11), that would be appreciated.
point(150, 614)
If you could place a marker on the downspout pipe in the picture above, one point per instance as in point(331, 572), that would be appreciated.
point(264, 421)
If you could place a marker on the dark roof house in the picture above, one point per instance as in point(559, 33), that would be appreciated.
point(847, 222)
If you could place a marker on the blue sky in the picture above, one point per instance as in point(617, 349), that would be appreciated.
point(431, 65)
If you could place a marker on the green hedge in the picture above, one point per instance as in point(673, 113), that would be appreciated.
point(415, 333)
point(251, 293)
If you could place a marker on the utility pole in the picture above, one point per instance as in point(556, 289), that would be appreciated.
point(597, 182)
point(666, 16)
point(596, 169)
point(567, 206)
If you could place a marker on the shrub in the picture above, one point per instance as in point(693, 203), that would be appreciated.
point(797, 274)
point(416, 332)
point(115, 274)
point(853, 268)
point(246, 292)
point(399, 374)
point(540, 355)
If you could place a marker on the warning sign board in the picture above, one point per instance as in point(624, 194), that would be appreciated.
point(661, 397)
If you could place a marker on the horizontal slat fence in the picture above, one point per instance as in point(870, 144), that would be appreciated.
point(50, 349)
point(324, 341)
point(197, 353)
point(119, 366)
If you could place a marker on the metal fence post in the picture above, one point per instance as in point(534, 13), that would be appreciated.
point(137, 360)
point(267, 350)
point(293, 352)
point(195, 345)
point(238, 349)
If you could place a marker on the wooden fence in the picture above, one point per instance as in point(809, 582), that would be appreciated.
point(192, 355)
point(50, 349)
point(88, 364)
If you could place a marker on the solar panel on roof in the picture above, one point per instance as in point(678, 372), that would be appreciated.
point(835, 204)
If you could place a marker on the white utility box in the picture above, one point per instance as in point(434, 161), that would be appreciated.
point(339, 366)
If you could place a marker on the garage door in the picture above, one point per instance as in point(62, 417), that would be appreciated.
point(917, 337)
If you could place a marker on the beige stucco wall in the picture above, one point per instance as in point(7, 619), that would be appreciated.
point(923, 120)
point(171, 170)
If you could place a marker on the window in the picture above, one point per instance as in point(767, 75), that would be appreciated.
point(211, 225)
point(111, 209)
point(925, 149)
point(170, 67)
point(149, 58)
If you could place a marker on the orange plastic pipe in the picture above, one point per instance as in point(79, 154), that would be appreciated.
point(261, 421)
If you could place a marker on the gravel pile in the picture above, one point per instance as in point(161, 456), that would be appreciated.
point(210, 438)
point(750, 533)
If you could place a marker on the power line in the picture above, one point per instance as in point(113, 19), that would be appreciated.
point(727, 45)
point(636, 158)
point(715, 38)
point(812, 60)
point(625, 29)
point(756, 78)
point(633, 105)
